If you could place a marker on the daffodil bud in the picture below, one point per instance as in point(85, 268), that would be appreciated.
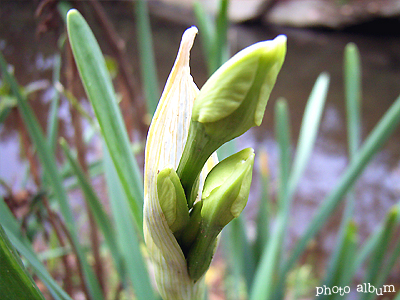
point(172, 200)
point(231, 102)
point(165, 142)
point(225, 193)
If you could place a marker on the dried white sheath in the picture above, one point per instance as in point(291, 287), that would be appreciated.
point(165, 142)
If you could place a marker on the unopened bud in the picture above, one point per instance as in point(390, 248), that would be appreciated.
point(225, 195)
point(171, 197)
point(231, 102)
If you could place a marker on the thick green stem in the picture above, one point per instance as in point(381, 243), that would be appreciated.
point(199, 147)
point(202, 251)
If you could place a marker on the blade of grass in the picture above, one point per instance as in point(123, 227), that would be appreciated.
point(306, 141)
point(214, 34)
point(384, 274)
point(342, 277)
point(21, 243)
point(52, 122)
point(282, 129)
point(207, 32)
point(264, 279)
point(8, 221)
point(15, 283)
point(95, 168)
point(309, 129)
point(369, 245)
point(220, 43)
point(241, 257)
point(102, 220)
point(264, 210)
point(352, 84)
point(52, 177)
point(127, 239)
point(99, 88)
point(375, 140)
point(147, 60)
point(377, 257)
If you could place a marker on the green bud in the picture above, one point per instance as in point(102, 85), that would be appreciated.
point(225, 195)
point(231, 102)
point(172, 200)
point(227, 188)
point(244, 82)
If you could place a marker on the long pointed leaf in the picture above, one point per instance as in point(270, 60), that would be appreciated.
point(308, 130)
point(147, 60)
point(307, 137)
point(11, 227)
point(99, 88)
point(207, 32)
point(378, 255)
point(264, 211)
point(52, 122)
point(15, 282)
point(102, 220)
point(342, 276)
point(370, 147)
point(265, 274)
point(127, 238)
point(352, 84)
point(51, 176)
point(241, 256)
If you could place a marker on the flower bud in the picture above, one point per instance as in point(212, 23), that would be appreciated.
point(165, 142)
point(231, 102)
point(172, 200)
point(225, 193)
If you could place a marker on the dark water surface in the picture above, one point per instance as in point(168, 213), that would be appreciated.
point(310, 52)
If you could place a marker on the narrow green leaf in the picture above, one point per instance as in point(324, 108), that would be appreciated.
point(309, 129)
point(352, 84)
point(241, 256)
point(214, 34)
point(384, 274)
point(308, 134)
point(52, 122)
point(375, 140)
point(341, 276)
point(264, 211)
point(282, 132)
point(22, 244)
point(95, 168)
point(15, 282)
point(147, 60)
point(51, 176)
point(220, 47)
point(377, 257)
point(8, 221)
point(207, 32)
point(264, 279)
point(370, 244)
point(102, 220)
point(127, 239)
point(99, 88)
